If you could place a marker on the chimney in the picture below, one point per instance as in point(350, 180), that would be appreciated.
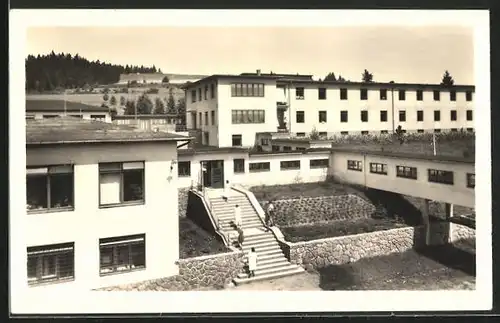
point(258, 72)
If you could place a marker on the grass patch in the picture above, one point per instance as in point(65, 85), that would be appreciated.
point(292, 191)
point(339, 229)
point(195, 242)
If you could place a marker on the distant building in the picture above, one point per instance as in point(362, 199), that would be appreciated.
point(229, 110)
point(45, 109)
point(157, 78)
point(96, 195)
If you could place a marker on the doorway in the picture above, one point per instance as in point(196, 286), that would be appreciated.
point(213, 173)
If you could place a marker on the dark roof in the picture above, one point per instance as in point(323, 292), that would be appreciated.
point(399, 154)
point(382, 85)
point(66, 130)
point(203, 149)
point(282, 76)
point(58, 106)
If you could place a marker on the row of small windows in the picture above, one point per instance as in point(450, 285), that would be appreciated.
point(433, 175)
point(184, 167)
point(51, 188)
point(97, 117)
point(247, 89)
point(363, 94)
point(56, 263)
point(203, 91)
point(322, 116)
point(212, 115)
point(248, 116)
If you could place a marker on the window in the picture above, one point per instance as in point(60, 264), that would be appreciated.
point(299, 93)
point(343, 116)
point(287, 148)
point(323, 134)
point(437, 115)
point(264, 142)
point(247, 90)
point(30, 117)
point(184, 169)
point(364, 116)
point(383, 116)
point(470, 129)
point(384, 132)
point(290, 165)
point(50, 188)
point(318, 163)
point(299, 116)
point(453, 115)
point(321, 93)
point(454, 129)
point(193, 96)
point(301, 134)
point(406, 172)
point(236, 140)
point(468, 96)
point(259, 167)
point(402, 95)
point(206, 92)
point(471, 180)
point(248, 116)
point(420, 130)
point(420, 95)
point(343, 94)
point(199, 94)
point(212, 114)
point(206, 118)
point(440, 176)
point(212, 91)
point(344, 133)
point(437, 95)
point(239, 166)
point(300, 148)
point(420, 115)
point(363, 94)
point(121, 183)
point(322, 116)
point(81, 117)
point(383, 94)
point(453, 95)
point(275, 148)
point(355, 165)
point(437, 130)
point(51, 263)
point(469, 115)
point(200, 118)
point(402, 116)
point(97, 117)
point(364, 132)
point(378, 168)
point(122, 254)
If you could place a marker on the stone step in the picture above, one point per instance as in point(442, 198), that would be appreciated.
point(271, 257)
point(252, 240)
point(282, 263)
point(230, 212)
point(243, 216)
point(231, 202)
point(289, 272)
point(274, 260)
point(262, 248)
point(260, 244)
point(268, 254)
point(245, 225)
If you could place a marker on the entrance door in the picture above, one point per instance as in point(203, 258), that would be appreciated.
point(214, 174)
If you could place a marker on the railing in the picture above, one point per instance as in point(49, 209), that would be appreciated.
point(207, 199)
point(215, 221)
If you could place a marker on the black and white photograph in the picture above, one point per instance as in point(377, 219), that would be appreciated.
point(249, 161)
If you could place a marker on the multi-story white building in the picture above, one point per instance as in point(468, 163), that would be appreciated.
point(101, 205)
point(230, 110)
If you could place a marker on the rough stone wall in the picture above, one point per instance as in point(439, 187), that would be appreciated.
point(341, 250)
point(182, 194)
point(200, 273)
point(462, 232)
point(324, 209)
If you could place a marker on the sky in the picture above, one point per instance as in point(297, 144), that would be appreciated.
point(401, 54)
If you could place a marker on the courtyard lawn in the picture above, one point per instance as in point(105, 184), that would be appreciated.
point(194, 241)
point(339, 228)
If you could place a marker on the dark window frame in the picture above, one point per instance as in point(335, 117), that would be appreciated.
point(248, 90)
point(383, 94)
point(121, 171)
point(322, 93)
point(259, 167)
point(420, 115)
point(322, 116)
point(436, 95)
point(248, 116)
point(62, 254)
point(437, 115)
point(408, 172)
point(383, 116)
point(319, 163)
point(343, 94)
point(378, 168)
point(239, 165)
point(453, 95)
point(183, 170)
point(440, 176)
point(468, 96)
point(299, 90)
point(402, 115)
point(237, 137)
point(470, 180)
point(344, 116)
point(363, 94)
point(469, 115)
point(453, 115)
point(420, 95)
point(212, 115)
point(364, 116)
point(356, 165)
point(212, 90)
point(127, 243)
point(300, 117)
point(290, 165)
point(401, 95)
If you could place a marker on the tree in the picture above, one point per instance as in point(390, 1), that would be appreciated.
point(330, 77)
point(171, 108)
point(181, 110)
point(144, 105)
point(112, 101)
point(105, 97)
point(113, 112)
point(159, 106)
point(129, 108)
point(367, 77)
point(340, 78)
point(447, 79)
point(123, 101)
point(165, 80)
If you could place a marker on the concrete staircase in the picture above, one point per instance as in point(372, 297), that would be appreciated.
point(271, 262)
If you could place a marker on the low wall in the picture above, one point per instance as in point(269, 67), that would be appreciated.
point(206, 272)
point(314, 210)
point(182, 194)
point(341, 250)
point(437, 208)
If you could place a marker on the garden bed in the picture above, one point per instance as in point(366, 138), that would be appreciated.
point(194, 241)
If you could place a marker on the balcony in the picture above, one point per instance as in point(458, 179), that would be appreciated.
point(282, 105)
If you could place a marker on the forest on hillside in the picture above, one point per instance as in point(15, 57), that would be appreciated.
point(59, 71)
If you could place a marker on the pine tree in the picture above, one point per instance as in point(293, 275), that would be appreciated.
point(330, 77)
point(447, 79)
point(112, 101)
point(123, 101)
point(171, 108)
point(367, 77)
point(144, 105)
point(129, 108)
point(159, 106)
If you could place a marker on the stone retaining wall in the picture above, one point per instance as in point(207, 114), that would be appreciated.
point(182, 194)
point(200, 273)
point(324, 209)
point(317, 254)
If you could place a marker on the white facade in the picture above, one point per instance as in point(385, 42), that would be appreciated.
point(156, 217)
point(98, 115)
point(285, 93)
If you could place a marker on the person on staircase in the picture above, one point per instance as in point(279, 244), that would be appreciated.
point(252, 262)
point(241, 237)
point(237, 216)
point(226, 192)
point(269, 215)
